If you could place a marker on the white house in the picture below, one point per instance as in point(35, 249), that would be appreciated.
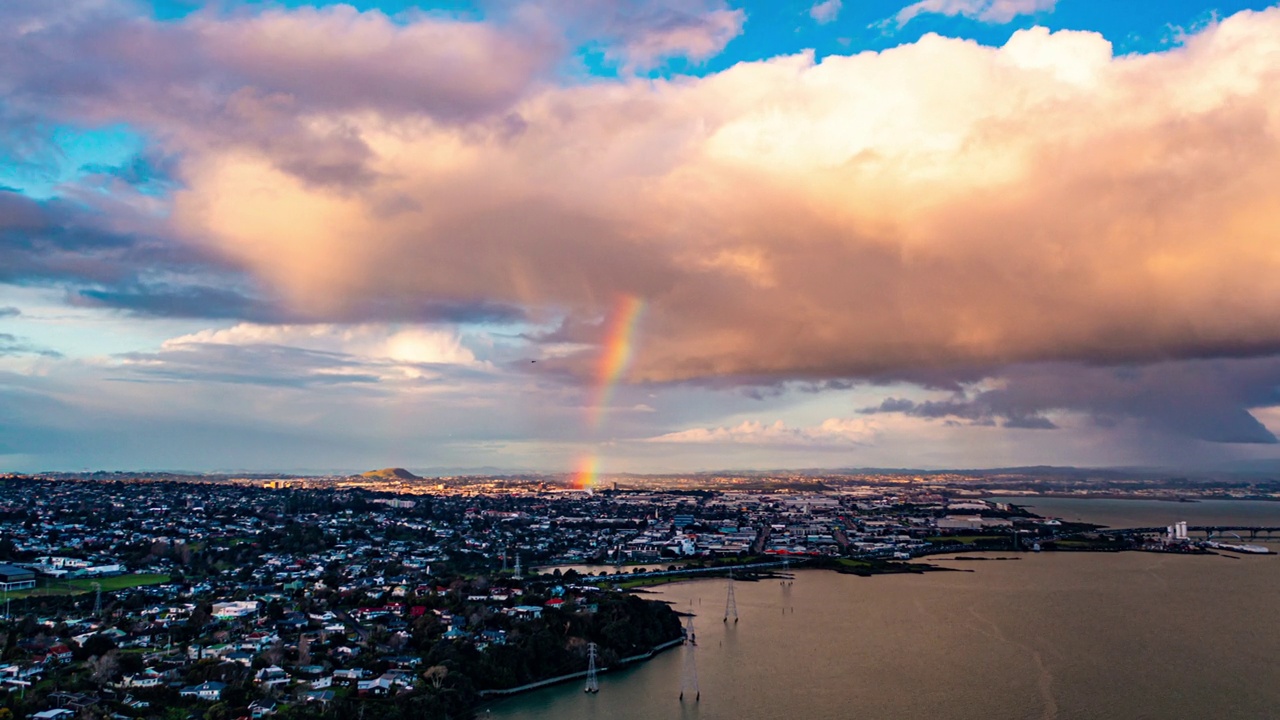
point(210, 691)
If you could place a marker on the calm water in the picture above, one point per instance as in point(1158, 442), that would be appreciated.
point(1048, 636)
point(1151, 513)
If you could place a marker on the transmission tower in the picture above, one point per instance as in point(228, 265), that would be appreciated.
point(730, 602)
point(519, 574)
point(689, 677)
point(97, 600)
point(593, 685)
point(504, 559)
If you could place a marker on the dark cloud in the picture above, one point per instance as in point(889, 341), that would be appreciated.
point(892, 405)
point(189, 301)
point(978, 410)
point(14, 345)
point(63, 241)
point(1203, 399)
point(9, 312)
point(150, 171)
point(203, 301)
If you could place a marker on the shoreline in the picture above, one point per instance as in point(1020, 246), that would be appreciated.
point(496, 694)
point(1122, 496)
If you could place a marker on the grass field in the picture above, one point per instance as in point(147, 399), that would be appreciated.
point(79, 586)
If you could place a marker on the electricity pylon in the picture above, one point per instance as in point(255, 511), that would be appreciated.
point(689, 677)
point(593, 685)
point(730, 602)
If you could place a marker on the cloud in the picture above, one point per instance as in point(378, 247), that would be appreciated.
point(990, 11)
point(9, 312)
point(310, 355)
point(833, 431)
point(640, 34)
point(935, 206)
point(63, 240)
point(232, 300)
point(110, 255)
point(790, 219)
point(696, 37)
point(14, 345)
point(265, 79)
point(413, 345)
point(826, 11)
point(304, 60)
point(1209, 400)
point(265, 365)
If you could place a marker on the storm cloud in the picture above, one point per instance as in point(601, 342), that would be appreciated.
point(1203, 399)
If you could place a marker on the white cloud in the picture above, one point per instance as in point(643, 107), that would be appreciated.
point(410, 345)
point(991, 11)
point(826, 11)
point(833, 431)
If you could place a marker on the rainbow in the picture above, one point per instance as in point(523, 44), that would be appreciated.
point(618, 347)
point(584, 478)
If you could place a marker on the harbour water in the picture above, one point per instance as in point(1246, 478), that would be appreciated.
point(1050, 635)
point(1152, 513)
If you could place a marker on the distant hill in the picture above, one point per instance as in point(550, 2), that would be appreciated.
point(390, 474)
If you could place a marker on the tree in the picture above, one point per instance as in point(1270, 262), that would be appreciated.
point(104, 668)
point(436, 675)
point(98, 645)
point(304, 650)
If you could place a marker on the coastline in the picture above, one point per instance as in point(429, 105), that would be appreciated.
point(1022, 495)
point(500, 693)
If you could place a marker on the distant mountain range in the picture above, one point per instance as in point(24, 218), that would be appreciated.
point(1240, 468)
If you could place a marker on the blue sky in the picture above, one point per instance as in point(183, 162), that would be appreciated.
point(965, 233)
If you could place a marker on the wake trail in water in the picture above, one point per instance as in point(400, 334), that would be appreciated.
point(1152, 571)
point(1044, 678)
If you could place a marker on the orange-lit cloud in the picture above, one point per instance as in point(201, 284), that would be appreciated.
point(937, 203)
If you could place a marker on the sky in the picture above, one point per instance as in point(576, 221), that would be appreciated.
point(638, 235)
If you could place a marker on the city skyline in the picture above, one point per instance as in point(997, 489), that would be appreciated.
point(646, 236)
